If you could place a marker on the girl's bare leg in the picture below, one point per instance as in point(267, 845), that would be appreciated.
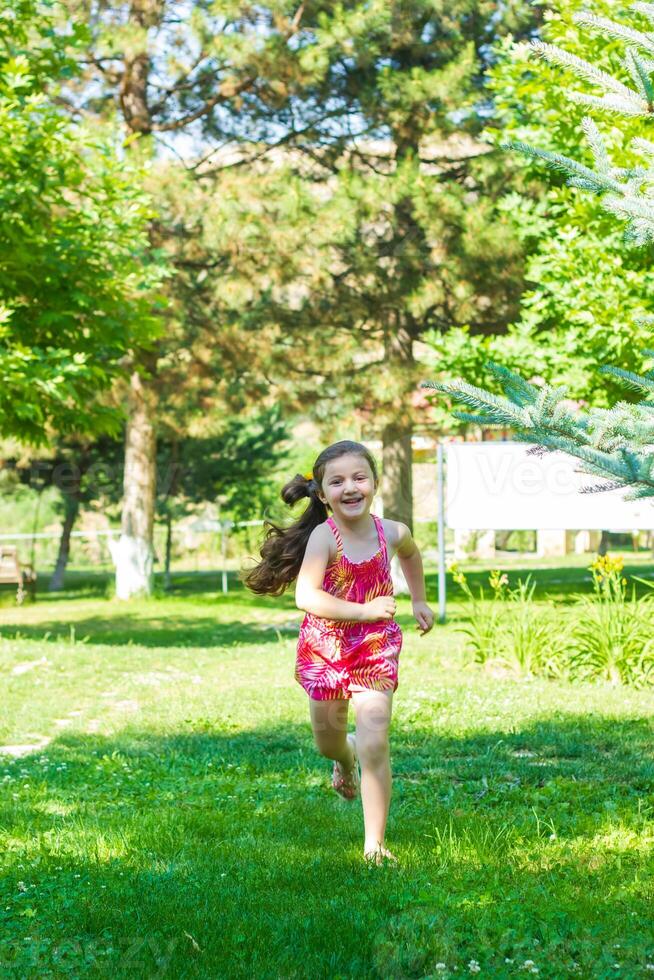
point(373, 717)
point(329, 723)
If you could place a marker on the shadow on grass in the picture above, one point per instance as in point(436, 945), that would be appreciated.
point(83, 584)
point(224, 853)
point(164, 632)
point(559, 584)
point(78, 585)
point(562, 585)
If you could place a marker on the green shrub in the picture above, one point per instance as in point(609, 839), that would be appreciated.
point(532, 642)
point(510, 629)
point(483, 626)
point(606, 636)
point(612, 635)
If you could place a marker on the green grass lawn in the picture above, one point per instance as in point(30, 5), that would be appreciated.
point(172, 818)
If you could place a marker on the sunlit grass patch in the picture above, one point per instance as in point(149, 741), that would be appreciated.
point(178, 821)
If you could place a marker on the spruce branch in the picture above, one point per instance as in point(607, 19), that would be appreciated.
point(516, 388)
point(472, 419)
point(640, 230)
point(641, 145)
point(647, 9)
point(602, 487)
point(596, 144)
point(624, 191)
point(581, 68)
point(614, 444)
point(632, 176)
point(567, 166)
point(621, 105)
point(494, 409)
point(610, 28)
point(640, 74)
point(636, 382)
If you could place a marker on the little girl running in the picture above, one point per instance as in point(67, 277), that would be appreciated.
point(349, 642)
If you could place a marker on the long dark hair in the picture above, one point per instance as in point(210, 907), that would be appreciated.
point(283, 548)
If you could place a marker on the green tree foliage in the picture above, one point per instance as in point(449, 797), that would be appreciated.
point(582, 277)
point(371, 102)
point(420, 243)
point(615, 442)
point(234, 468)
point(82, 472)
point(233, 465)
point(75, 292)
point(382, 221)
point(192, 85)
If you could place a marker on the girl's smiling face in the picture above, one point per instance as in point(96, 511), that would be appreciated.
point(348, 486)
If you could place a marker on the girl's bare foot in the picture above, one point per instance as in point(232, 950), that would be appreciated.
point(378, 854)
point(346, 781)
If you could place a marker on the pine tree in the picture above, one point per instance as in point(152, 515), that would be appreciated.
point(396, 225)
point(612, 443)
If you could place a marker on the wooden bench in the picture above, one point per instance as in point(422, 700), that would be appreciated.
point(12, 572)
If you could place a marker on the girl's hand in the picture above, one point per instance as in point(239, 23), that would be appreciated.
point(424, 616)
point(383, 607)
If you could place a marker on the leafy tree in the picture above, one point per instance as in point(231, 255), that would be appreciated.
point(581, 276)
point(219, 75)
point(615, 442)
point(75, 291)
point(83, 471)
point(86, 473)
point(234, 463)
point(584, 278)
point(379, 229)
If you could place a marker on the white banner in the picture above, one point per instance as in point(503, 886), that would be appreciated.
point(498, 486)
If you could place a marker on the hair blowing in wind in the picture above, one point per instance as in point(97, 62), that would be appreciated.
point(283, 548)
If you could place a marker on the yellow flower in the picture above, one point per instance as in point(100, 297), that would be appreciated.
point(498, 580)
point(607, 565)
point(308, 476)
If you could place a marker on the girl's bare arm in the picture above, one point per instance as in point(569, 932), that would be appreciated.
point(411, 562)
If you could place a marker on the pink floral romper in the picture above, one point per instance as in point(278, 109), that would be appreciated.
point(334, 657)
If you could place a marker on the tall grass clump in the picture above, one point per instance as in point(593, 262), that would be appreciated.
point(612, 633)
point(607, 635)
point(509, 630)
point(482, 628)
point(534, 644)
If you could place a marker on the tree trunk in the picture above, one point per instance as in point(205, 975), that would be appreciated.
point(71, 510)
point(169, 546)
point(397, 488)
point(604, 544)
point(133, 553)
point(408, 255)
point(397, 481)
